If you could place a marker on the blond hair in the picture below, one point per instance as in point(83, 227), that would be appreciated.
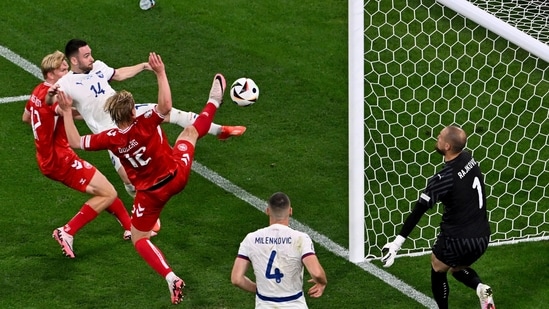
point(120, 106)
point(51, 62)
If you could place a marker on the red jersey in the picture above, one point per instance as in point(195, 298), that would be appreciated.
point(142, 147)
point(52, 148)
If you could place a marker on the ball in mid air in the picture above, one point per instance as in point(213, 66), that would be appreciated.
point(146, 4)
point(244, 92)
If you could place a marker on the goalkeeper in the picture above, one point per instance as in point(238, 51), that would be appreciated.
point(464, 230)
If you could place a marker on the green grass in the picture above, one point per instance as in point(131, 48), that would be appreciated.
point(296, 142)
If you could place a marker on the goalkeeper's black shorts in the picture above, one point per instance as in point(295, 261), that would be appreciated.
point(459, 251)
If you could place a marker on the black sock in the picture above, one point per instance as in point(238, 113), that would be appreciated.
point(440, 288)
point(467, 276)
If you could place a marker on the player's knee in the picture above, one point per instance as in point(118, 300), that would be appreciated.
point(189, 134)
point(108, 191)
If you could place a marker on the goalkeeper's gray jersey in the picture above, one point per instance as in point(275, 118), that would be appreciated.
point(459, 186)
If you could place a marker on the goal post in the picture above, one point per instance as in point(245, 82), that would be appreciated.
point(356, 130)
point(426, 67)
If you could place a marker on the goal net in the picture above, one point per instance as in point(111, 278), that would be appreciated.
point(426, 67)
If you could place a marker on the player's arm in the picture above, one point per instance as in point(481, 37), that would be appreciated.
point(65, 106)
point(76, 115)
point(164, 92)
point(390, 249)
point(123, 73)
point(51, 94)
point(26, 116)
point(317, 273)
point(238, 275)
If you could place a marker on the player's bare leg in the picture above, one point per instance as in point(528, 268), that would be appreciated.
point(105, 198)
point(185, 119)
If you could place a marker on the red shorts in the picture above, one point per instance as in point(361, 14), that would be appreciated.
point(148, 204)
point(76, 174)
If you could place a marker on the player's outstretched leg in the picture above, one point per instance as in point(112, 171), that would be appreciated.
point(185, 119)
point(484, 293)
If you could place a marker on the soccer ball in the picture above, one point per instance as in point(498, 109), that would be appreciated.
point(244, 92)
point(146, 4)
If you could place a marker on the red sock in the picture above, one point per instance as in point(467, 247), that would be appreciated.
point(83, 217)
point(153, 256)
point(119, 211)
point(204, 119)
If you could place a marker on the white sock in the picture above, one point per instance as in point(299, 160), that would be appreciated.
point(215, 129)
point(214, 102)
point(171, 277)
point(185, 119)
point(181, 118)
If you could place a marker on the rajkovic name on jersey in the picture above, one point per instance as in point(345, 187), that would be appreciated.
point(472, 163)
point(266, 240)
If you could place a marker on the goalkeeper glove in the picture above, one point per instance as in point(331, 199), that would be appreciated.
point(390, 249)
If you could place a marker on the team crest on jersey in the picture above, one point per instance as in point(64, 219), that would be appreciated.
point(148, 114)
point(100, 74)
point(182, 147)
point(87, 165)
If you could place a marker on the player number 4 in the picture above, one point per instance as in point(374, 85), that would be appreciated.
point(277, 275)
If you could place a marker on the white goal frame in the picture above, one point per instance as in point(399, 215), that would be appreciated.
point(356, 115)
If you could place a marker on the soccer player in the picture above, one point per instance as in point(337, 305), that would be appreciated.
point(88, 83)
point(464, 230)
point(157, 170)
point(57, 160)
point(277, 254)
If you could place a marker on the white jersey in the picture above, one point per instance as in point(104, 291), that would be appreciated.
point(89, 92)
point(276, 254)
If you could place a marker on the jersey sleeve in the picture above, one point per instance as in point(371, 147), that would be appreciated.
point(103, 68)
point(27, 106)
point(151, 118)
point(437, 187)
point(308, 247)
point(243, 249)
point(99, 141)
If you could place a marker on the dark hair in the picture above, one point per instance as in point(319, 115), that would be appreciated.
point(279, 201)
point(72, 47)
